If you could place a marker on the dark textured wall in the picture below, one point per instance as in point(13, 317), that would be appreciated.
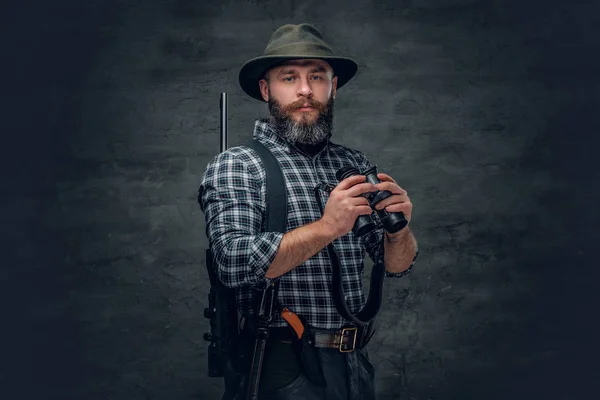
point(485, 111)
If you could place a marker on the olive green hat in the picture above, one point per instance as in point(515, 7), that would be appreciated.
point(291, 42)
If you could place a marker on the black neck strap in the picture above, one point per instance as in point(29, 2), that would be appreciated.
point(369, 311)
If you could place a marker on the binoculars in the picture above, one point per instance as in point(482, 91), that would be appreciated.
point(391, 221)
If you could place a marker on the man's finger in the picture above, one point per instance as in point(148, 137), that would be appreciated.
point(359, 201)
point(405, 208)
point(392, 187)
point(394, 199)
point(351, 181)
point(361, 188)
point(385, 177)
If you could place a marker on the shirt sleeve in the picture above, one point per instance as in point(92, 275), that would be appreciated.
point(373, 242)
point(231, 197)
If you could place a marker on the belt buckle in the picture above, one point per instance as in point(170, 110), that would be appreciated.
point(345, 333)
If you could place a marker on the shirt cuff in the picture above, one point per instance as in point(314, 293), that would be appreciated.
point(266, 252)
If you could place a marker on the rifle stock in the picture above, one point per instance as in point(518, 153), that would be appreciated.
point(264, 315)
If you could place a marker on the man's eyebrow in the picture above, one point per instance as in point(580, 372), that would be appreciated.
point(289, 70)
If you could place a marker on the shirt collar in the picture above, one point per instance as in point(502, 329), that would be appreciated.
point(264, 133)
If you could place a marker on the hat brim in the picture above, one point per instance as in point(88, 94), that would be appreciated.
point(253, 70)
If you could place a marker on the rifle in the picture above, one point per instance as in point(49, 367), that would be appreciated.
point(224, 350)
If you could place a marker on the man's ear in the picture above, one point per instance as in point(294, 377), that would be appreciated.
point(264, 89)
point(334, 86)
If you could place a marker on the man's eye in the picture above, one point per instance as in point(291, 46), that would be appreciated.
point(288, 78)
point(317, 77)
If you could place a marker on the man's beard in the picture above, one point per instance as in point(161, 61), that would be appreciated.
point(304, 131)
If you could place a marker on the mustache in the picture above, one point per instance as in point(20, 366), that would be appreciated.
point(302, 103)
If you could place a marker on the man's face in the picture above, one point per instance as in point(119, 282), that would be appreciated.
point(300, 94)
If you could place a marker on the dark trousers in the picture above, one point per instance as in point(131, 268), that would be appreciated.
point(349, 376)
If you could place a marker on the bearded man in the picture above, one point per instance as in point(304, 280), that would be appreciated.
point(299, 76)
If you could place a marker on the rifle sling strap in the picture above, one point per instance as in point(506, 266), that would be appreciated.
point(276, 189)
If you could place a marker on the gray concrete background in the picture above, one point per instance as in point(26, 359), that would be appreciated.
point(485, 111)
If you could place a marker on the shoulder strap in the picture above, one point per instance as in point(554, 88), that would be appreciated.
point(276, 189)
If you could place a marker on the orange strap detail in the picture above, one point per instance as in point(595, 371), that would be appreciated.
point(293, 320)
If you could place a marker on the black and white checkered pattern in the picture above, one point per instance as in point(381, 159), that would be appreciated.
point(232, 196)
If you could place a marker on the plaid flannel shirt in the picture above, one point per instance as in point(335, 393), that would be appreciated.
point(232, 196)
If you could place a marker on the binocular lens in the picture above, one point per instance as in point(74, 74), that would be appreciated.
point(346, 172)
point(392, 222)
point(363, 225)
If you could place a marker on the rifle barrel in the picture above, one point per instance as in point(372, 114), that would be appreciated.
point(223, 104)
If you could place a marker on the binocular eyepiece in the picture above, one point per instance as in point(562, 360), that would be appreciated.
point(392, 221)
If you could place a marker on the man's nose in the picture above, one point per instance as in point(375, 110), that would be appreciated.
point(304, 88)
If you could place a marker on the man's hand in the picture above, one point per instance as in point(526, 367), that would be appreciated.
point(397, 202)
point(400, 248)
point(343, 207)
point(345, 204)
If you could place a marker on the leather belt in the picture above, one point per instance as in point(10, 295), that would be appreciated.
point(345, 340)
